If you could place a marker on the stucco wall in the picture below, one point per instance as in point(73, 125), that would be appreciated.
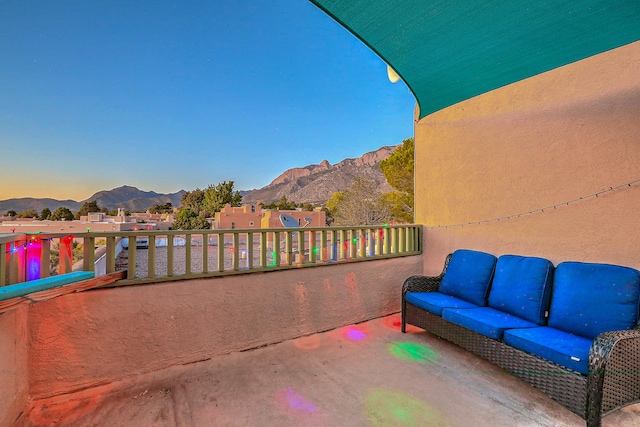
point(95, 337)
point(547, 140)
point(13, 365)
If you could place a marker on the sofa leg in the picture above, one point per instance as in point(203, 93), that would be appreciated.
point(403, 326)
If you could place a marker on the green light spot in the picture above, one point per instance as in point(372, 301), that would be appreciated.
point(412, 352)
point(393, 408)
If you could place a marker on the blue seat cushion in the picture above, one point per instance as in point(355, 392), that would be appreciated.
point(485, 320)
point(25, 288)
point(588, 299)
point(563, 348)
point(468, 276)
point(435, 302)
point(521, 286)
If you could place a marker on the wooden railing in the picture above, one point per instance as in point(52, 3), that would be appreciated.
point(173, 255)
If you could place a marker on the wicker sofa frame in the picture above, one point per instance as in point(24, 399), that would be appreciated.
point(614, 360)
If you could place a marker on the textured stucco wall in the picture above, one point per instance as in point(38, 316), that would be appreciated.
point(550, 139)
point(14, 374)
point(95, 337)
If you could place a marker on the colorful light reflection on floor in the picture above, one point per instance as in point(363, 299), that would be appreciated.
point(384, 408)
point(412, 352)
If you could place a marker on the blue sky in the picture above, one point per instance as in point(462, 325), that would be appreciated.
point(169, 95)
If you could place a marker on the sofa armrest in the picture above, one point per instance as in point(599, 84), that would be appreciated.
point(421, 284)
point(424, 283)
point(614, 355)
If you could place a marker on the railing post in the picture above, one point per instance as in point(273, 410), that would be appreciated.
point(324, 256)
point(387, 240)
point(221, 251)
point(111, 254)
point(187, 253)
point(353, 243)
point(276, 251)
point(131, 256)
point(403, 239)
point(45, 258)
point(205, 252)
point(301, 246)
point(236, 250)
point(151, 256)
point(379, 237)
point(343, 244)
point(250, 250)
point(263, 249)
point(3, 264)
point(89, 254)
point(170, 247)
point(312, 247)
point(289, 247)
point(65, 254)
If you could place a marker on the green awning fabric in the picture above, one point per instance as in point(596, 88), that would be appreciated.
point(447, 51)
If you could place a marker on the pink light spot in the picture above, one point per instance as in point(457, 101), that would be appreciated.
point(296, 402)
point(355, 334)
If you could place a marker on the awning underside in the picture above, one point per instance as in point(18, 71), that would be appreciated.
point(447, 51)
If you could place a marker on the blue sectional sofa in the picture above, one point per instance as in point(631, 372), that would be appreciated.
point(571, 331)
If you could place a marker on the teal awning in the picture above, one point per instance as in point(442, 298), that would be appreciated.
point(447, 51)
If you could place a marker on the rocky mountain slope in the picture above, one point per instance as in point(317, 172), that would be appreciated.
point(125, 197)
point(309, 184)
point(316, 183)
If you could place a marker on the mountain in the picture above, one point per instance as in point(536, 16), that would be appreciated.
point(125, 197)
point(316, 183)
point(24, 203)
point(309, 184)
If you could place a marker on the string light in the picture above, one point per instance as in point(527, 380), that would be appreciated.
point(557, 205)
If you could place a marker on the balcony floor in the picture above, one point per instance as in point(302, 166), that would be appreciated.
point(362, 375)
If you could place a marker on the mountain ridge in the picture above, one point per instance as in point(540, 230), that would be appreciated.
point(313, 183)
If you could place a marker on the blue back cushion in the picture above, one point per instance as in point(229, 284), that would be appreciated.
point(522, 286)
point(468, 276)
point(588, 299)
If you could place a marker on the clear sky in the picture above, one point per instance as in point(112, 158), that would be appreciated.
point(170, 95)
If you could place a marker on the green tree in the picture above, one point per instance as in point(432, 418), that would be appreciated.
point(29, 213)
point(160, 209)
point(360, 204)
point(62, 214)
point(192, 200)
point(189, 220)
point(398, 170)
point(87, 207)
point(45, 214)
point(11, 213)
point(215, 198)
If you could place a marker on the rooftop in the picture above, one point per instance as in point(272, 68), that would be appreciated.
point(367, 374)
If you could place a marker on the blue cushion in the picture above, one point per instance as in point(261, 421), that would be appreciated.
point(485, 320)
point(522, 286)
point(25, 288)
point(468, 276)
point(563, 348)
point(434, 302)
point(588, 299)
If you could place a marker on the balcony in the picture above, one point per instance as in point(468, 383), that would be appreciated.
point(303, 331)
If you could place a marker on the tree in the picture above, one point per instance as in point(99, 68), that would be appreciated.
point(62, 214)
point(398, 170)
point(86, 208)
point(11, 213)
point(192, 200)
point(189, 220)
point(215, 198)
point(29, 213)
point(160, 209)
point(45, 214)
point(361, 204)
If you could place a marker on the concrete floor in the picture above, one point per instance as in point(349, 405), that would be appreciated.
point(362, 375)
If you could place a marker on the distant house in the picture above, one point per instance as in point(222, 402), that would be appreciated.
point(253, 216)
